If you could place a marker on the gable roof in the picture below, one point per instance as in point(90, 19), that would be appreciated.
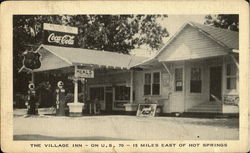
point(226, 38)
point(67, 56)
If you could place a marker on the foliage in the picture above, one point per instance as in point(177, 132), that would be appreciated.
point(117, 33)
point(70, 97)
point(224, 21)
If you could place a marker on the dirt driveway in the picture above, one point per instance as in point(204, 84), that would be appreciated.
point(122, 127)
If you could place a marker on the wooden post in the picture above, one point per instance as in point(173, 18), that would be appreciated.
point(75, 87)
point(33, 77)
point(235, 61)
point(131, 85)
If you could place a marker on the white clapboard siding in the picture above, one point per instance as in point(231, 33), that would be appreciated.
point(191, 44)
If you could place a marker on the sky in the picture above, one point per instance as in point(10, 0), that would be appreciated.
point(172, 23)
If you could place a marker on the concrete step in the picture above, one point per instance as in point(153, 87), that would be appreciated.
point(209, 107)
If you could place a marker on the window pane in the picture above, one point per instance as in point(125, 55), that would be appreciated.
point(178, 79)
point(178, 74)
point(231, 83)
point(231, 69)
point(122, 93)
point(147, 89)
point(156, 78)
point(195, 74)
point(156, 89)
point(147, 78)
point(97, 92)
point(178, 85)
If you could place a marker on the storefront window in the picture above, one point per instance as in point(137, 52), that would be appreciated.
point(97, 92)
point(178, 79)
point(122, 93)
point(231, 76)
point(195, 83)
point(152, 83)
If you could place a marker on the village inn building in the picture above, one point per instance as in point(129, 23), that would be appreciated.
point(195, 72)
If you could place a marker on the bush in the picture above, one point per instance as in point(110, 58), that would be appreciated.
point(70, 97)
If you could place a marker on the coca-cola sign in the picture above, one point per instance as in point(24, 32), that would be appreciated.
point(63, 40)
point(60, 35)
point(59, 39)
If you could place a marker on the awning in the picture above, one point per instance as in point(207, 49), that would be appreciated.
point(55, 57)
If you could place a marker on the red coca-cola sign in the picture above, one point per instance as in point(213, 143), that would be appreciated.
point(60, 35)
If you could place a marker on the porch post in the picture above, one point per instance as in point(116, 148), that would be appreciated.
point(32, 77)
point(166, 68)
point(75, 108)
point(131, 85)
point(75, 87)
point(235, 61)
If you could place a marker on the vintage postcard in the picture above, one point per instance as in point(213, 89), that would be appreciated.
point(125, 76)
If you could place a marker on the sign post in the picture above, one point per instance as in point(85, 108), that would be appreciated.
point(75, 108)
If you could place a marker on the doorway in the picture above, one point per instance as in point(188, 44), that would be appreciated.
point(108, 101)
point(215, 82)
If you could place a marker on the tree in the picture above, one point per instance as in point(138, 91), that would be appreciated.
point(116, 33)
point(224, 21)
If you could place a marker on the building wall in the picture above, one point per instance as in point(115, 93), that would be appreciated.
point(163, 98)
point(191, 44)
point(172, 101)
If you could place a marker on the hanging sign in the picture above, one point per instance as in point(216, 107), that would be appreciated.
point(32, 60)
point(84, 73)
point(59, 35)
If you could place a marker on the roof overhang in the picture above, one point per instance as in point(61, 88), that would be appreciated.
point(53, 58)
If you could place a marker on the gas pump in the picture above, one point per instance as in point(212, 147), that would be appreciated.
point(31, 104)
point(60, 99)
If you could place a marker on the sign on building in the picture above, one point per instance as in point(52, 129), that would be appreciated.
point(59, 35)
point(84, 73)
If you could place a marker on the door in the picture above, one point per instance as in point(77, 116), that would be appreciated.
point(109, 101)
point(177, 99)
point(215, 82)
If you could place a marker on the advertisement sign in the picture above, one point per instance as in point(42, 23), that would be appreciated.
point(146, 110)
point(32, 60)
point(59, 35)
point(84, 73)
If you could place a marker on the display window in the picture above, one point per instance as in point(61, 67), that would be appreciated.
point(97, 93)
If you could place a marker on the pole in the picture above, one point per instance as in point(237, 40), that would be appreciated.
point(131, 85)
point(33, 77)
point(75, 87)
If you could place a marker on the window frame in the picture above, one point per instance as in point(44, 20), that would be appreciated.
point(121, 85)
point(151, 82)
point(201, 79)
point(179, 67)
point(96, 86)
point(231, 76)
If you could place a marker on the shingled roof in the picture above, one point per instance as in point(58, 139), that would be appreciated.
point(227, 37)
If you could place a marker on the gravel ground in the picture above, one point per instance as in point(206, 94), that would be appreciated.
point(122, 127)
